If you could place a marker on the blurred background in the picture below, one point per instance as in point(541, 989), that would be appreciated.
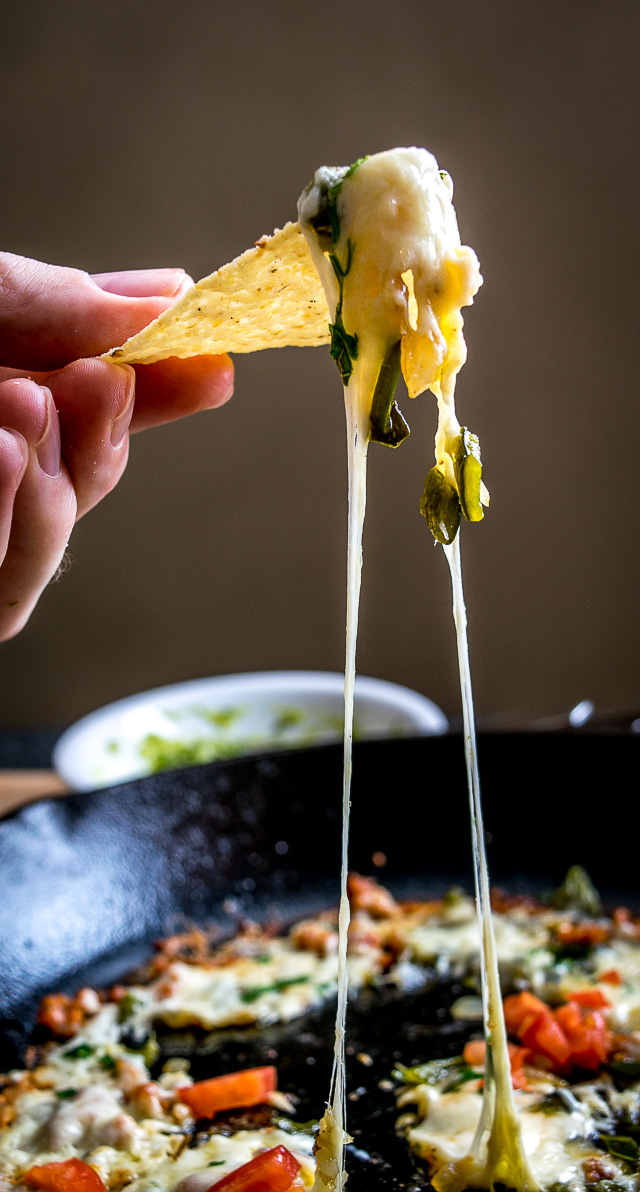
point(138, 133)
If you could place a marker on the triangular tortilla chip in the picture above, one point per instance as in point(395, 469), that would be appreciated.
point(270, 297)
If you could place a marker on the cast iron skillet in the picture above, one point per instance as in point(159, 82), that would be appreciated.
point(87, 881)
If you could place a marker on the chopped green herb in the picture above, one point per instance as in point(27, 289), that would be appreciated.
point(217, 1163)
point(440, 507)
point(81, 1052)
point(326, 224)
point(467, 466)
point(430, 1073)
point(106, 1061)
point(65, 1094)
point(621, 1147)
point(344, 347)
point(287, 718)
point(577, 893)
point(263, 958)
point(129, 1004)
point(222, 718)
point(253, 992)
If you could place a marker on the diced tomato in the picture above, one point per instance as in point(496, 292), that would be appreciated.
point(545, 1036)
point(475, 1053)
point(574, 1035)
point(569, 1018)
point(581, 935)
point(272, 1171)
point(587, 1033)
point(611, 977)
point(235, 1091)
point(70, 1176)
point(592, 999)
point(519, 1006)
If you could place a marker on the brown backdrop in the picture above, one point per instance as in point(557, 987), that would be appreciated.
point(148, 132)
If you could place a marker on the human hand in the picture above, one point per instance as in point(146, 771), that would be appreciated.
point(65, 418)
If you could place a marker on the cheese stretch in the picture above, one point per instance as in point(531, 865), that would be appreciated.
point(558, 1129)
point(384, 239)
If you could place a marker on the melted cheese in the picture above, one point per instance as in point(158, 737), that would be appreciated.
point(555, 1144)
point(452, 941)
point(122, 1123)
point(292, 983)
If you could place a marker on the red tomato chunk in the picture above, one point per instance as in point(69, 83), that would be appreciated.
point(272, 1171)
point(70, 1176)
point(238, 1090)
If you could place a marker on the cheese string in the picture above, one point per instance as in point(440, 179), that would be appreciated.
point(332, 1137)
point(506, 1162)
point(358, 441)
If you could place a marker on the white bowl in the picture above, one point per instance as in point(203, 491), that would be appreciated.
point(231, 715)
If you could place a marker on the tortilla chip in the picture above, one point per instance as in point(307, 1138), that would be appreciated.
point(270, 297)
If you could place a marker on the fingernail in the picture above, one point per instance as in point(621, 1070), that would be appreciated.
point(143, 283)
point(120, 425)
point(24, 448)
point(48, 447)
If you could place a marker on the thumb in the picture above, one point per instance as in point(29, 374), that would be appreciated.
point(50, 315)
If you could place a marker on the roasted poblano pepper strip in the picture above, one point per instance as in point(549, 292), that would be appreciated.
point(464, 450)
point(621, 1147)
point(578, 893)
point(386, 422)
point(440, 506)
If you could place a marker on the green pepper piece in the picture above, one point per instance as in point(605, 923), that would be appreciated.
point(577, 892)
point(386, 422)
point(467, 467)
point(253, 992)
point(127, 1006)
point(440, 507)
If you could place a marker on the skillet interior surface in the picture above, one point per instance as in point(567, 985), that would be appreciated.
point(87, 881)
